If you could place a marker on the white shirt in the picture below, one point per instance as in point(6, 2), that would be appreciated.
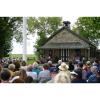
point(44, 74)
point(14, 78)
point(32, 74)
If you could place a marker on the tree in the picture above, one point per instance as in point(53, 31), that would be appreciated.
point(44, 26)
point(88, 27)
point(7, 27)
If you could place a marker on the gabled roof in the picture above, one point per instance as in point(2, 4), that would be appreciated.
point(70, 45)
point(77, 35)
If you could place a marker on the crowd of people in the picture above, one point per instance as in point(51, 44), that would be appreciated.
point(17, 71)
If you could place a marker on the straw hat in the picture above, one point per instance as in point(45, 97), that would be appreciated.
point(63, 66)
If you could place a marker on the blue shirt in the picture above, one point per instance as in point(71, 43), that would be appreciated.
point(37, 70)
point(92, 78)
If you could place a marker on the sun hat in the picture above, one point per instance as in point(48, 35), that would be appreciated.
point(63, 66)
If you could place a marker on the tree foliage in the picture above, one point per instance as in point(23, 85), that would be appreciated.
point(88, 27)
point(7, 27)
point(44, 26)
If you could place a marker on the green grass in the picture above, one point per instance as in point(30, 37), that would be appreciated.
point(30, 57)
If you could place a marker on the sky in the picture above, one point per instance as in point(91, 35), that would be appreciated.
point(18, 48)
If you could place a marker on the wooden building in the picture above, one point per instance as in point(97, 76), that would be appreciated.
point(65, 44)
point(98, 54)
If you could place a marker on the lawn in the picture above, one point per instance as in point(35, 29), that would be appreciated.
point(30, 57)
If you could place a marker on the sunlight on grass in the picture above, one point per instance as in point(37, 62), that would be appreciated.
point(30, 57)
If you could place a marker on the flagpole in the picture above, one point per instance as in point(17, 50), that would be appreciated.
point(24, 39)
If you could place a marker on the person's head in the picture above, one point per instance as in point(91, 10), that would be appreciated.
point(10, 62)
point(11, 67)
point(97, 61)
point(45, 66)
point(94, 69)
point(59, 62)
point(17, 65)
point(23, 63)
point(62, 78)
point(88, 63)
point(5, 75)
point(23, 74)
point(18, 81)
point(29, 79)
point(63, 67)
point(80, 65)
point(29, 68)
point(50, 62)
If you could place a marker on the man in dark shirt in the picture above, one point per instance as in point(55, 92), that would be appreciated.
point(77, 74)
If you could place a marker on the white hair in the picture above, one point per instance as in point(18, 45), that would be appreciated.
point(94, 69)
point(49, 62)
point(11, 66)
point(59, 61)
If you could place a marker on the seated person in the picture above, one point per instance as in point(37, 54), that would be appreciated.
point(76, 76)
point(52, 68)
point(5, 76)
point(45, 74)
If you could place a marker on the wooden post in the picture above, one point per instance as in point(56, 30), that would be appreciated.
point(88, 53)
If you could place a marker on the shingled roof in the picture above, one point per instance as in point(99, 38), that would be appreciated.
point(66, 45)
